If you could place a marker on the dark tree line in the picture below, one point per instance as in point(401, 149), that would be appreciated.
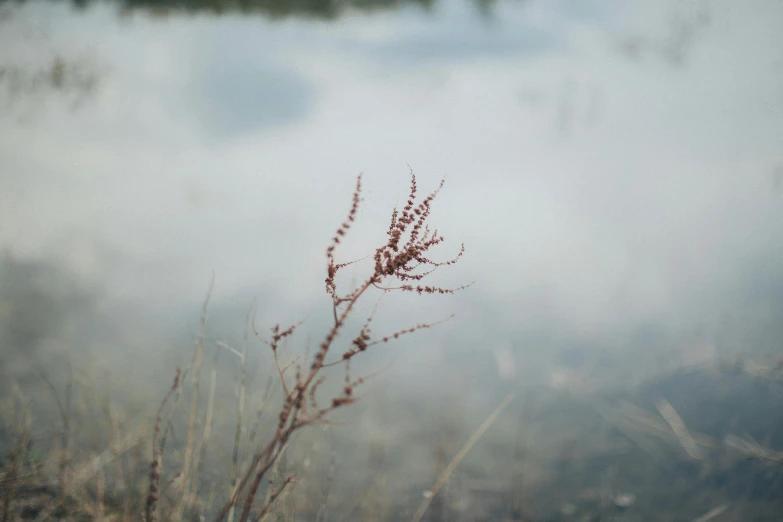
point(274, 9)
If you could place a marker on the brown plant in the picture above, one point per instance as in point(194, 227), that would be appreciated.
point(154, 486)
point(402, 260)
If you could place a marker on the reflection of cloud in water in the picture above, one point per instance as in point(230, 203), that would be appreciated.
point(653, 216)
point(241, 94)
point(459, 45)
point(685, 24)
point(456, 37)
point(39, 301)
point(34, 68)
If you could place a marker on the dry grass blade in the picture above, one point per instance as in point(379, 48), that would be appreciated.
point(154, 487)
point(230, 349)
point(444, 476)
point(678, 427)
point(712, 514)
point(9, 480)
point(240, 412)
point(207, 434)
point(752, 448)
point(64, 407)
point(191, 435)
point(83, 473)
point(630, 431)
point(658, 427)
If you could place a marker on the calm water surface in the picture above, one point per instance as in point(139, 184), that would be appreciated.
point(614, 169)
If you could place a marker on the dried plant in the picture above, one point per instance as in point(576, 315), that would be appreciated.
point(188, 461)
point(154, 486)
point(64, 408)
point(21, 420)
point(401, 263)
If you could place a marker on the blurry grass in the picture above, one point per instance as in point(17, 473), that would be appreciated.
point(574, 464)
point(554, 456)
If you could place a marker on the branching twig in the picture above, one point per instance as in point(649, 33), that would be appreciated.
point(154, 487)
point(405, 251)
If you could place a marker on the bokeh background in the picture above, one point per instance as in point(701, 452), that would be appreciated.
point(613, 168)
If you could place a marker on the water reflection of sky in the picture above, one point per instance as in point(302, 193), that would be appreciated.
point(609, 166)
